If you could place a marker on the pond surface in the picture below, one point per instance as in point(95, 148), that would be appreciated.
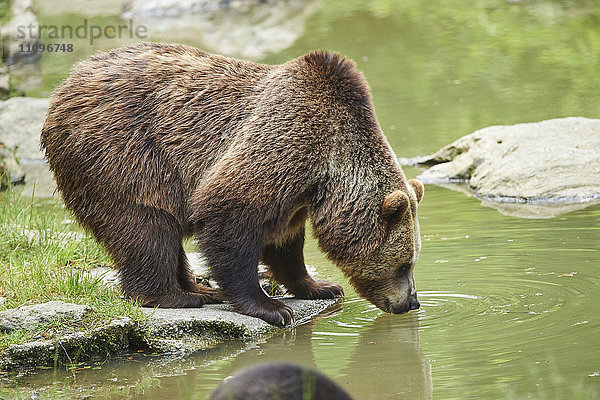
point(509, 310)
point(510, 306)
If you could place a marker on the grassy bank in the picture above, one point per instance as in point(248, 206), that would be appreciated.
point(44, 256)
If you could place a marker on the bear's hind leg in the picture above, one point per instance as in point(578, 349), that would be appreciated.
point(286, 263)
point(145, 243)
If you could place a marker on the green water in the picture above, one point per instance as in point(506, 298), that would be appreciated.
point(509, 310)
point(510, 306)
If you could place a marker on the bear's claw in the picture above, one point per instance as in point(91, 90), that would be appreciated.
point(272, 311)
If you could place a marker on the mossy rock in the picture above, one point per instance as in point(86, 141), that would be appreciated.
point(118, 337)
point(174, 332)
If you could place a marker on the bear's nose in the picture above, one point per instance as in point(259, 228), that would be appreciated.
point(400, 308)
point(414, 304)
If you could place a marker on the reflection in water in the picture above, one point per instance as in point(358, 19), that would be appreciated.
point(382, 360)
point(370, 354)
point(397, 369)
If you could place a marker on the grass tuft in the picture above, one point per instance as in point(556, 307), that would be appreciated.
point(45, 256)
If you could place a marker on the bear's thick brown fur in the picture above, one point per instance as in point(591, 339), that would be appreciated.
point(153, 142)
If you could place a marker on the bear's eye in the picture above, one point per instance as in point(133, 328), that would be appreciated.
point(403, 270)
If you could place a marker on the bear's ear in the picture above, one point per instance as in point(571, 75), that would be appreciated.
point(394, 206)
point(418, 188)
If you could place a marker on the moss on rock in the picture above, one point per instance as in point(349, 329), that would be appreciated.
point(178, 332)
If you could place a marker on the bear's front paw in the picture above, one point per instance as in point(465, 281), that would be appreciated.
point(320, 290)
point(270, 310)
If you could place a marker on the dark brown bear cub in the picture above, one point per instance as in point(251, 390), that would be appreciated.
point(152, 143)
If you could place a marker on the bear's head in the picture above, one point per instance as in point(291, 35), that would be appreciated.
point(384, 275)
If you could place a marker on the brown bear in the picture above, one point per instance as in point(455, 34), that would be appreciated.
point(154, 142)
point(277, 381)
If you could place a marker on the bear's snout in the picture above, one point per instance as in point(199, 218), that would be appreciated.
point(414, 304)
point(410, 304)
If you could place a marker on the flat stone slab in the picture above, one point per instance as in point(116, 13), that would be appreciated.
point(29, 317)
point(187, 330)
point(175, 332)
point(554, 162)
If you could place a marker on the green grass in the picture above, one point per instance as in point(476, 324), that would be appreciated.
point(44, 256)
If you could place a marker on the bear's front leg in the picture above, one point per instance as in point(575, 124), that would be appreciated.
point(241, 286)
point(286, 262)
point(232, 253)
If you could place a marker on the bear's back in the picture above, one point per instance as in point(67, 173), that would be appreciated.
point(140, 123)
point(180, 101)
